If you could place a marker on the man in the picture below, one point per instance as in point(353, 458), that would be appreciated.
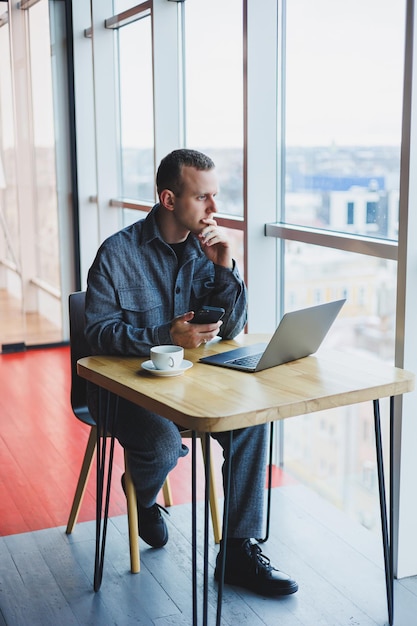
point(144, 286)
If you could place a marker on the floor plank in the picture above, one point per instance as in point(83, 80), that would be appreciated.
point(46, 576)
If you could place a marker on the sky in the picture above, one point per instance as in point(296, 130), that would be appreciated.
point(344, 71)
point(343, 75)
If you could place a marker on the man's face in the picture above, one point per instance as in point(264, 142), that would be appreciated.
point(197, 199)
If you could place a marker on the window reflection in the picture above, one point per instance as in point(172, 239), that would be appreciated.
point(130, 216)
point(366, 324)
point(337, 459)
point(343, 115)
point(333, 452)
point(10, 245)
point(136, 110)
point(46, 211)
point(214, 92)
point(123, 5)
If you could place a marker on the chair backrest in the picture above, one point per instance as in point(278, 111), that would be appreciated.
point(79, 348)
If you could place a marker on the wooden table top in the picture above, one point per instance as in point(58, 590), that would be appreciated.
point(206, 398)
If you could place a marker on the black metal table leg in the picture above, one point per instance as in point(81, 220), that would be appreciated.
point(268, 506)
point(194, 523)
point(387, 546)
point(227, 476)
point(391, 502)
point(227, 469)
point(207, 464)
point(103, 426)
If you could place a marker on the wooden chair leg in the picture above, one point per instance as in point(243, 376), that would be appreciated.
point(167, 493)
point(132, 517)
point(214, 503)
point(82, 480)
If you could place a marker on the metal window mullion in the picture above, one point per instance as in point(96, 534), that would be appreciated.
point(60, 31)
point(384, 249)
point(405, 425)
point(260, 87)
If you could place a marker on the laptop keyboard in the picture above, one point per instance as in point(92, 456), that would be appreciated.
point(247, 361)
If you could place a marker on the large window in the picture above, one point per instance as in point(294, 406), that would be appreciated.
point(342, 104)
point(299, 104)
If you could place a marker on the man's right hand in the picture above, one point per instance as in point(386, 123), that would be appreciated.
point(189, 335)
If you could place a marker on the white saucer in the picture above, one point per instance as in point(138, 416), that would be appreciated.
point(150, 367)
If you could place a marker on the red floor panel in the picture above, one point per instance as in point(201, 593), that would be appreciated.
point(42, 447)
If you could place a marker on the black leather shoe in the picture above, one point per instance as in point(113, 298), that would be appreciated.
point(152, 527)
point(247, 566)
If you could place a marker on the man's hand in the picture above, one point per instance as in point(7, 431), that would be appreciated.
point(192, 335)
point(215, 244)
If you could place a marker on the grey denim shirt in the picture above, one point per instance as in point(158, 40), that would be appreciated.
point(135, 288)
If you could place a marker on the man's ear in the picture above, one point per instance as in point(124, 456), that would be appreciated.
point(166, 198)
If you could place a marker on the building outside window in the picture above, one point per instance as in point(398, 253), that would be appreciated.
point(343, 114)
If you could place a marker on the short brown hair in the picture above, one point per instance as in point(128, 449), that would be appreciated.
point(169, 171)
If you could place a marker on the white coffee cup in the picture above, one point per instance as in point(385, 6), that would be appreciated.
point(167, 357)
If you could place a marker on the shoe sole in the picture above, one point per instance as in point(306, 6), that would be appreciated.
point(260, 591)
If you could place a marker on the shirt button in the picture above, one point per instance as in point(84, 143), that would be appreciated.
point(177, 290)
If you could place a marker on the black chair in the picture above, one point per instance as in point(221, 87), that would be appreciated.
point(79, 348)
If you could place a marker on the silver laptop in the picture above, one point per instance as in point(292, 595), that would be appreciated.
point(299, 334)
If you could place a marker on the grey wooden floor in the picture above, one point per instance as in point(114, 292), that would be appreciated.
point(46, 576)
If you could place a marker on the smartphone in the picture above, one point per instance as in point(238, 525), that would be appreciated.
point(208, 315)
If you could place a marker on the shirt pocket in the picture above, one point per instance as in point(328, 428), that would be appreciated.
point(202, 287)
point(141, 306)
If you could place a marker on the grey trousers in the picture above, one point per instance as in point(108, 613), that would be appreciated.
point(154, 445)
